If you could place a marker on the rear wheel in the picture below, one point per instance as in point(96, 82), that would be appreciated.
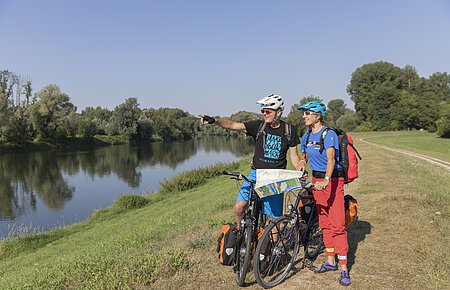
point(276, 252)
point(243, 255)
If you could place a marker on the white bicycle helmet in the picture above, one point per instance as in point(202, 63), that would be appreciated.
point(273, 102)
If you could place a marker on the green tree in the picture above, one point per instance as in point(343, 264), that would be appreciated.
point(374, 88)
point(335, 109)
point(71, 124)
point(86, 128)
point(19, 129)
point(124, 119)
point(50, 111)
point(417, 111)
point(410, 80)
point(28, 93)
point(348, 122)
point(439, 84)
point(94, 121)
point(443, 123)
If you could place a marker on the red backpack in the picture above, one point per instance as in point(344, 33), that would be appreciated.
point(348, 158)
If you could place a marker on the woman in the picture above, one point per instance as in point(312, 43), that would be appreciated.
point(328, 183)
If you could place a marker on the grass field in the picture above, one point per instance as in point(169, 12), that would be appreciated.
point(415, 141)
point(167, 240)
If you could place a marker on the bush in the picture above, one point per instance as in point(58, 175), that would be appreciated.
point(127, 202)
point(191, 179)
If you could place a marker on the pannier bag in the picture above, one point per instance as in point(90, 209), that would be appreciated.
point(351, 209)
point(226, 244)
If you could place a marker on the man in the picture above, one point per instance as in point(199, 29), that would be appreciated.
point(273, 139)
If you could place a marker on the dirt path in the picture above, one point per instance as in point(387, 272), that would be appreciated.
point(429, 159)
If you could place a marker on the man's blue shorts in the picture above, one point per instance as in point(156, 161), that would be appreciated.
point(272, 205)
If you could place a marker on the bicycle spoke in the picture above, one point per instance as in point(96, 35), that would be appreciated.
point(282, 240)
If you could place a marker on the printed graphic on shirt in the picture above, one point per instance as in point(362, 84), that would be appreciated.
point(314, 143)
point(273, 146)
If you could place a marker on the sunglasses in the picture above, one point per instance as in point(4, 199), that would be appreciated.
point(266, 111)
point(307, 113)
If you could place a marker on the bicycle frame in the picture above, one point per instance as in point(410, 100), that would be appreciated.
point(248, 230)
point(304, 234)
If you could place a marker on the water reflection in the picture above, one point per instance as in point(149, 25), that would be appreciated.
point(36, 182)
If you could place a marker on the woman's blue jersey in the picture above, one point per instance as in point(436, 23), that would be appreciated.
point(318, 161)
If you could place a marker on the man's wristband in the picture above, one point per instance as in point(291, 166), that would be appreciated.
point(327, 178)
point(208, 119)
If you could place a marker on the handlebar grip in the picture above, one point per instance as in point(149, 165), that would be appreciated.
point(231, 173)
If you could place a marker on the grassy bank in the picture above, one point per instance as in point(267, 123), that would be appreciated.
point(168, 239)
point(132, 243)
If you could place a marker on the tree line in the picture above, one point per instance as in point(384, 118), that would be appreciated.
point(386, 97)
point(49, 116)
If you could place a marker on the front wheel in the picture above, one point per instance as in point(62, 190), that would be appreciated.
point(314, 243)
point(244, 249)
point(276, 252)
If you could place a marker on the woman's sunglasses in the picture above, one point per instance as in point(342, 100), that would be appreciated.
point(307, 113)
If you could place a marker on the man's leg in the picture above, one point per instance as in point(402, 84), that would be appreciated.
point(242, 198)
point(239, 208)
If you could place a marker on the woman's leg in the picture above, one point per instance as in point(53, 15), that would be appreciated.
point(322, 202)
point(336, 215)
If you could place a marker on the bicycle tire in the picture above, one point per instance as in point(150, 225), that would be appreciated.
point(314, 243)
point(276, 252)
point(243, 255)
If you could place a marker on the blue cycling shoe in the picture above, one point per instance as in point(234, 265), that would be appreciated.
point(326, 267)
point(345, 278)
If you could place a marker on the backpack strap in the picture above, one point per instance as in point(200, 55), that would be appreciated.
point(261, 131)
point(287, 132)
point(322, 136)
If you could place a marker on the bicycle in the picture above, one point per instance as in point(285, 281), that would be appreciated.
point(250, 227)
point(279, 245)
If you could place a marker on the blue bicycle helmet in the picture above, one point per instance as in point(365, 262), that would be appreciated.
point(314, 106)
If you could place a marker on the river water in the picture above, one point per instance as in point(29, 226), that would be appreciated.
point(43, 190)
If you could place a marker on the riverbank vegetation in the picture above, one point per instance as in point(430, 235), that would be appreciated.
point(167, 239)
point(386, 97)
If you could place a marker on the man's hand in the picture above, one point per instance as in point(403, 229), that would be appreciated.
point(205, 119)
point(301, 165)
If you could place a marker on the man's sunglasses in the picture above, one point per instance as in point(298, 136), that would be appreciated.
point(266, 111)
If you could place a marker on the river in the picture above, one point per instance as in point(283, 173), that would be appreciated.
point(44, 190)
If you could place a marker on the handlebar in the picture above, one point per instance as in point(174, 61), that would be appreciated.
point(238, 176)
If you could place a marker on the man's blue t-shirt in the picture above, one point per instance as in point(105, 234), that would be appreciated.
point(318, 161)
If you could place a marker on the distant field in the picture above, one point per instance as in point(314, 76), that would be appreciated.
point(415, 141)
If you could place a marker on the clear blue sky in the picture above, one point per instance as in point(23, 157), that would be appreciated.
point(216, 57)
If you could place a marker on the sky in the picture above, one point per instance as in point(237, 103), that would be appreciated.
point(216, 57)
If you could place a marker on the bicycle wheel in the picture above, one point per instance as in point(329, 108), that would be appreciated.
point(276, 251)
point(314, 243)
point(243, 255)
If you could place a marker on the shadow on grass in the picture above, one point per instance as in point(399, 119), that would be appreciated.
point(357, 233)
